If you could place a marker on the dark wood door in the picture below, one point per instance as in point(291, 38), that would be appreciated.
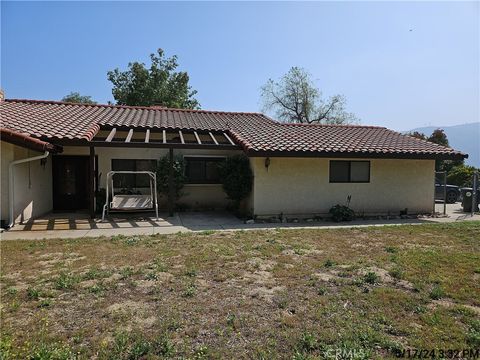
point(70, 182)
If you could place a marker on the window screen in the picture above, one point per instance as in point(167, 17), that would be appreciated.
point(202, 170)
point(130, 181)
point(349, 171)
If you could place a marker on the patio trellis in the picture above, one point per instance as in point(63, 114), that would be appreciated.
point(145, 137)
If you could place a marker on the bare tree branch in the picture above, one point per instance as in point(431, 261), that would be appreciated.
point(294, 98)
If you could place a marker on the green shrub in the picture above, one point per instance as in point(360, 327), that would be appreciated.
point(307, 342)
point(461, 175)
point(473, 334)
point(33, 293)
point(391, 249)
point(179, 178)
point(192, 272)
point(396, 272)
point(342, 213)
point(370, 278)
point(236, 176)
point(12, 291)
point(126, 272)
point(190, 291)
point(66, 281)
point(322, 290)
point(329, 263)
point(437, 292)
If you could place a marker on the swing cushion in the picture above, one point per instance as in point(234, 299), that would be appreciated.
point(131, 202)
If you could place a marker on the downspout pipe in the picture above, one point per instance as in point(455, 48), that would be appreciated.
point(11, 182)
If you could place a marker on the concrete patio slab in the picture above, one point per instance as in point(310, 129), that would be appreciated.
point(79, 225)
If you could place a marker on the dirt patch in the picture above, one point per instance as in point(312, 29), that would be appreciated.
point(259, 277)
point(325, 276)
point(260, 264)
point(146, 284)
point(87, 283)
point(127, 306)
point(265, 293)
point(449, 304)
point(386, 278)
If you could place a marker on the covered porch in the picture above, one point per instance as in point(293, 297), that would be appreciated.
point(137, 150)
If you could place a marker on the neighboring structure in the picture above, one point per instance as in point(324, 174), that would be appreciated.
point(299, 170)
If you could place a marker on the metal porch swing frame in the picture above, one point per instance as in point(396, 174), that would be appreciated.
point(109, 205)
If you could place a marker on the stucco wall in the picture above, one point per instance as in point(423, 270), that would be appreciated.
point(301, 186)
point(194, 196)
point(33, 184)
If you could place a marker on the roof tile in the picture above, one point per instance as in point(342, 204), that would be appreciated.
point(255, 132)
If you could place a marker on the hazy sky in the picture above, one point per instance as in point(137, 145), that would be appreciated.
point(400, 64)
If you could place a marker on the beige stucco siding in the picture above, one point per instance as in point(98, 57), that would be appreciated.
point(195, 196)
point(33, 184)
point(301, 186)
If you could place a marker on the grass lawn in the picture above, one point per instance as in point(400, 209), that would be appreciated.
point(293, 294)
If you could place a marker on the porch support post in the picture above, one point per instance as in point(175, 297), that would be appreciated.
point(171, 190)
point(92, 180)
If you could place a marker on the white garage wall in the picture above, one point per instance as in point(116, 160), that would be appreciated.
point(301, 186)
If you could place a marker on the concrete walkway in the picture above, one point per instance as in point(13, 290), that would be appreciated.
point(80, 225)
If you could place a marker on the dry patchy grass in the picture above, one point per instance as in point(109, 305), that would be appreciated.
point(293, 294)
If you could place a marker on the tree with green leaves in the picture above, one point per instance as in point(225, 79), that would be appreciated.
point(296, 99)
point(418, 135)
point(439, 137)
point(75, 97)
point(237, 177)
point(159, 84)
point(461, 175)
point(179, 178)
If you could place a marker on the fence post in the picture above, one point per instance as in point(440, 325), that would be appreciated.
point(474, 193)
point(444, 193)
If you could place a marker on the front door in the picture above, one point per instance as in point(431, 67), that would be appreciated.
point(70, 182)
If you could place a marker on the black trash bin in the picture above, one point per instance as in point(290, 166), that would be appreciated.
point(467, 199)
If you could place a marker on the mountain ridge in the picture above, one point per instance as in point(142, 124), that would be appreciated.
point(463, 137)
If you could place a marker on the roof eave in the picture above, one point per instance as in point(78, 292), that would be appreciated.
point(369, 155)
point(27, 141)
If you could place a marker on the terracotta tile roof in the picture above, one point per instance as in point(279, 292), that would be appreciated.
point(53, 119)
point(314, 139)
point(256, 133)
point(27, 141)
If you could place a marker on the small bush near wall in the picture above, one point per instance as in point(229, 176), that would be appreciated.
point(179, 178)
point(342, 213)
point(236, 178)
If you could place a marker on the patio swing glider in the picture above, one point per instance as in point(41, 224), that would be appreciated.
point(131, 202)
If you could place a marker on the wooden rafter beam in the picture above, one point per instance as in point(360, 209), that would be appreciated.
point(129, 136)
point(111, 135)
point(228, 138)
point(164, 135)
point(197, 137)
point(181, 136)
point(147, 136)
point(213, 138)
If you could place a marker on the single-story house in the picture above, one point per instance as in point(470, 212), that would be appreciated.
point(55, 156)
